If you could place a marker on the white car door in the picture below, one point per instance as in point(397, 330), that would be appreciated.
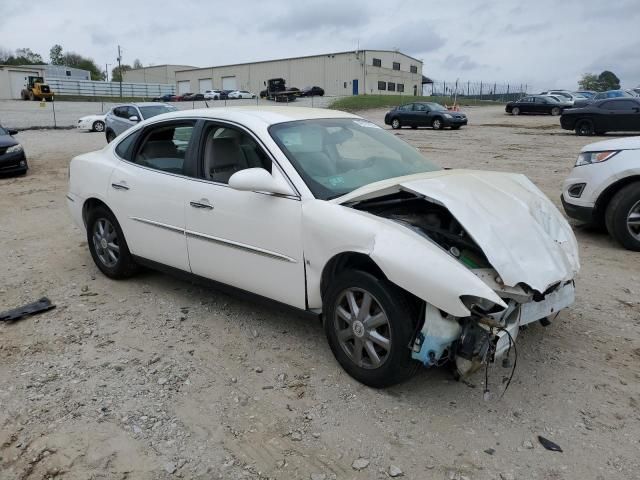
point(245, 239)
point(148, 190)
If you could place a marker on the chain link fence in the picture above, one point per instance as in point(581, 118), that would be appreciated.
point(500, 92)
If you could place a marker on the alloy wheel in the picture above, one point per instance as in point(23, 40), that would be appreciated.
point(362, 328)
point(98, 127)
point(633, 221)
point(395, 123)
point(105, 242)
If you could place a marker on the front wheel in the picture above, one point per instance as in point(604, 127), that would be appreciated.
point(623, 217)
point(437, 124)
point(515, 111)
point(395, 124)
point(107, 244)
point(584, 128)
point(98, 126)
point(369, 324)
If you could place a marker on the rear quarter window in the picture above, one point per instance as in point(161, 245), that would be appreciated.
point(125, 147)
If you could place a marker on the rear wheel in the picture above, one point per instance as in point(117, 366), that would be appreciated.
point(555, 111)
point(515, 111)
point(395, 124)
point(584, 128)
point(107, 244)
point(369, 325)
point(437, 124)
point(623, 217)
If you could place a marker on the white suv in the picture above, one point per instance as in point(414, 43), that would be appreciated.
point(604, 189)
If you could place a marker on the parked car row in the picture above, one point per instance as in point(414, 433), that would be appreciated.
point(207, 95)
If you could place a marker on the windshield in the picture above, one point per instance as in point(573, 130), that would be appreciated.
point(3, 131)
point(337, 155)
point(436, 107)
point(153, 110)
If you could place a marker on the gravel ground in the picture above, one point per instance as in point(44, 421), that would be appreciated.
point(20, 114)
point(155, 378)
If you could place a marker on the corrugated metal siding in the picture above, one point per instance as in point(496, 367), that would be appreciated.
point(90, 88)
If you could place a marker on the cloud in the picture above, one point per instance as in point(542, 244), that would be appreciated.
point(412, 38)
point(461, 62)
point(312, 17)
point(519, 29)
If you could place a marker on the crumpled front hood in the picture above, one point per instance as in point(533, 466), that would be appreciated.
point(523, 235)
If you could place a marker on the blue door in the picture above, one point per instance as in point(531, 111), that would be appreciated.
point(355, 86)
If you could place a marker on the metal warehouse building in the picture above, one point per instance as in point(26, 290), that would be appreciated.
point(154, 74)
point(13, 78)
point(343, 73)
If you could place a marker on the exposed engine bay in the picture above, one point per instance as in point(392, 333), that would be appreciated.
point(489, 333)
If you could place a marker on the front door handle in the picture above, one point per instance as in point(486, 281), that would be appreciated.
point(202, 204)
point(119, 186)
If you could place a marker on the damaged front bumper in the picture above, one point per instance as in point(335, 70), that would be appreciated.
point(485, 338)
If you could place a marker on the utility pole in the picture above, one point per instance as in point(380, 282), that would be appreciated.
point(120, 69)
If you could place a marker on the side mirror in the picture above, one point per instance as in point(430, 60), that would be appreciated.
point(259, 180)
point(12, 131)
point(134, 118)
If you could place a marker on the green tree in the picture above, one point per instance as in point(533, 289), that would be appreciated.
point(137, 63)
point(605, 81)
point(608, 81)
point(76, 60)
point(115, 72)
point(589, 81)
point(55, 55)
point(29, 57)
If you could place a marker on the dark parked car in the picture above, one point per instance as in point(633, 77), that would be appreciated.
point(12, 157)
point(168, 97)
point(612, 115)
point(424, 114)
point(312, 92)
point(537, 104)
point(603, 96)
point(193, 97)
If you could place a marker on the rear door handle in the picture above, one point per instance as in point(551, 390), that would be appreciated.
point(119, 186)
point(202, 204)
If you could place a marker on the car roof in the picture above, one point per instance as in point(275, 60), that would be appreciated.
point(269, 115)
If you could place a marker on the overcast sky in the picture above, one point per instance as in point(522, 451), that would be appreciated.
point(546, 43)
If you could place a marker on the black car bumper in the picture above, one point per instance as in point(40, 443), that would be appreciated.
point(453, 122)
point(13, 163)
point(584, 214)
point(387, 119)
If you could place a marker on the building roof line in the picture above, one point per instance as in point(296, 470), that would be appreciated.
point(296, 58)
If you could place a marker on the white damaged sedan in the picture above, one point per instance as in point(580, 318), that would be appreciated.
point(325, 212)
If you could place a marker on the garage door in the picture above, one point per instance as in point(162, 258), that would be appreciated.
point(229, 83)
point(18, 80)
point(205, 84)
point(183, 86)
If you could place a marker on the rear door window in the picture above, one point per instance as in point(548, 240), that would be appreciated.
point(165, 146)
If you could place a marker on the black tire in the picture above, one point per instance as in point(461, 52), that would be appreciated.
point(98, 126)
point(621, 206)
point(515, 111)
point(437, 123)
point(584, 128)
point(124, 266)
point(32, 97)
point(397, 365)
point(601, 132)
point(395, 123)
point(414, 126)
point(555, 111)
point(110, 136)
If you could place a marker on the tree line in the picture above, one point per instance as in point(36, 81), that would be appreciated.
point(57, 56)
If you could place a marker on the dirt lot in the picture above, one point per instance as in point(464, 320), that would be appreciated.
point(155, 377)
